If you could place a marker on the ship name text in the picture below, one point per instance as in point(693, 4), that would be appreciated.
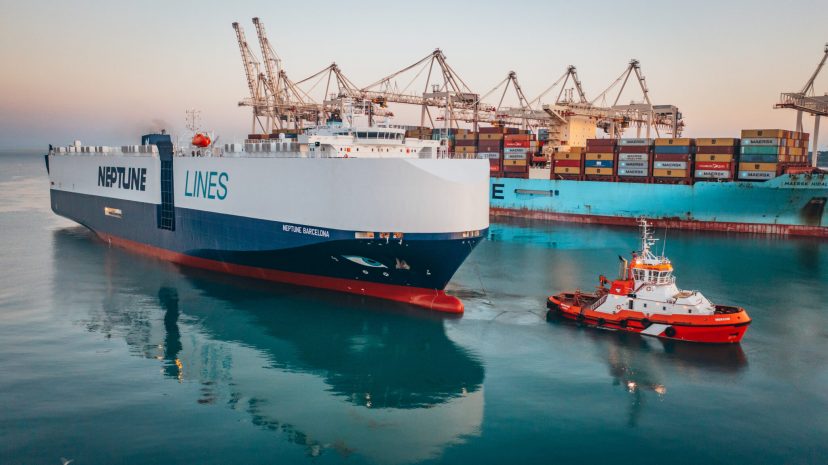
point(206, 184)
point(122, 177)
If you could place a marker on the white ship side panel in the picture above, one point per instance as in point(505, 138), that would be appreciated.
point(390, 195)
point(133, 178)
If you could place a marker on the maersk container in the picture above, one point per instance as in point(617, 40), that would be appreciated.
point(714, 174)
point(514, 156)
point(678, 141)
point(764, 141)
point(637, 172)
point(632, 164)
point(672, 165)
point(633, 156)
point(756, 175)
point(673, 149)
point(635, 142)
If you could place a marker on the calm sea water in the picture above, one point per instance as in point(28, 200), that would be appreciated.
point(111, 357)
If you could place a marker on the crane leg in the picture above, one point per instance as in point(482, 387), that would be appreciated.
point(815, 153)
point(799, 121)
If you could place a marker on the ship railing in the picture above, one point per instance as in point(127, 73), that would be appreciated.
point(600, 301)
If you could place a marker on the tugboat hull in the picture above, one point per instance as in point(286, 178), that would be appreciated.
point(727, 327)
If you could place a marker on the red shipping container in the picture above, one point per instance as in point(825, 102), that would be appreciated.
point(671, 157)
point(568, 163)
point(601, 142)
point(634, 149)
point(465, 143)
point(717, 149)
point(713, 165)
point(516, 143)
point(519, 137)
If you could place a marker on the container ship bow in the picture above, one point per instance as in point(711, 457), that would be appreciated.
point(359, 210)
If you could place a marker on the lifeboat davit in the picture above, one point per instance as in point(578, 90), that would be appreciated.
point(201, 140)
point(645, 300)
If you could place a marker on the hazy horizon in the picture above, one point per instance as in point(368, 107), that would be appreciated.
point(105, 72)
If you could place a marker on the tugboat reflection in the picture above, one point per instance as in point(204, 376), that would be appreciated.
point(332, 373)
point(643, 367)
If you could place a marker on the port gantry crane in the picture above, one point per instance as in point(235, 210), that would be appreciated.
point(289, 104)
point(256, 83)
point(640, 114)
point(805, 101)
point(278, 101)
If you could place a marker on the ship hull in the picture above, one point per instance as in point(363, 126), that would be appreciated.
point(414, 270)
point(785, 205)
point(705, 329)
point(324, 223)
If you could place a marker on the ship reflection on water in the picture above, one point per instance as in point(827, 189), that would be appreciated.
point(330, 372)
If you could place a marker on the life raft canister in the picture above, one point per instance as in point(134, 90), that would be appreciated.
point(201, 140)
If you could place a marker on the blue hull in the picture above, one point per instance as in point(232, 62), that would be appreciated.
point(783, 205)
point(270, 248)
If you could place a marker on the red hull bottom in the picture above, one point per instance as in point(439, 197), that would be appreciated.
point(432, 299)
point(719, 334)
point(672, 223)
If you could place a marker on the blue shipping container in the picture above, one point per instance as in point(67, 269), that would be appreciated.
point(598, 163)
point(678, 149)
point(759, 158)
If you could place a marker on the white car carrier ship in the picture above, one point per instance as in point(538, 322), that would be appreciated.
point(358, 210)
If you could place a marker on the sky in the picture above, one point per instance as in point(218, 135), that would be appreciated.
point(105, 72)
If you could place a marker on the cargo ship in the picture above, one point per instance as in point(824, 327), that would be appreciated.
point(362, 210)
point(760, 183)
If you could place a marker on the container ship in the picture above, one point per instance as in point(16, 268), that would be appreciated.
point(362, 210)
point(759, 183)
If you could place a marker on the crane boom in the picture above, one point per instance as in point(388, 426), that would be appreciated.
point(272, 62)
point(809, 86)
point(251, 65)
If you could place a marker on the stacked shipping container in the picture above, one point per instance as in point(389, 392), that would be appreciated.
point(490, 146)
point(673, 161)
point(517, 152)
point(568, 164)
point(716, 158)
point(465, 144)
point(767, 153)
point(599, 161)
point(634, 160)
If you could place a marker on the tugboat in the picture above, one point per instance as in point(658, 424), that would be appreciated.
point(645, 300)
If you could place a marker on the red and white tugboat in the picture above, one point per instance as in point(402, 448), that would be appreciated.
point(645, 299)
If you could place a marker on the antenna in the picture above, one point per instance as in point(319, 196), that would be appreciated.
point(664, 244)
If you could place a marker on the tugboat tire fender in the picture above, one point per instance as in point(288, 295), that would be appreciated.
point(670, 331)
point(646, 323)
point(622, 323)
point(601, 322)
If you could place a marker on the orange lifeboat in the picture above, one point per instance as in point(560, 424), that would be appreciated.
point(645, 300)
point(201, 140)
